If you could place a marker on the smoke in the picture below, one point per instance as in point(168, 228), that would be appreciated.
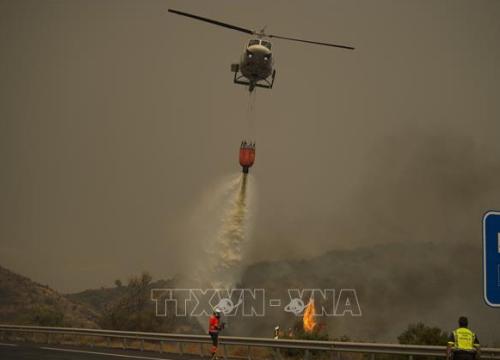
point(408, 240)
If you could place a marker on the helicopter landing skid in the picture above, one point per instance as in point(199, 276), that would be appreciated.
point(240, 79)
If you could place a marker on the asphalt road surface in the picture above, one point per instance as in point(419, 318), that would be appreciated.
point(13, 351)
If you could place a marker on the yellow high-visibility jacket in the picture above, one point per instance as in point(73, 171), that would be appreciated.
point(463, 339)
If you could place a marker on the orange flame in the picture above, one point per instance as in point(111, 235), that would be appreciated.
point(308, 319)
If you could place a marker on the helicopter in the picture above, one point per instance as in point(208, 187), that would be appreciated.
point(256, 66)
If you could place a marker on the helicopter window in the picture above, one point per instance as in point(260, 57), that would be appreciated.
point(267, 44)
point(253, 42)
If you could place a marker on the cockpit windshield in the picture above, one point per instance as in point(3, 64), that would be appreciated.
point(265, 43)
point(253, 42)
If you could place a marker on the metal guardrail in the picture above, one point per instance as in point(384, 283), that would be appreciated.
point(334, 347)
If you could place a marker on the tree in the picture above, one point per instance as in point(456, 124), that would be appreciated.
point(297, 332)
point(45, 315)
point(133, 310)
point(118, 283)
point(420, 334)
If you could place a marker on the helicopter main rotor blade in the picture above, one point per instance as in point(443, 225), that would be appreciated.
point(215, 22)
point(311, 42)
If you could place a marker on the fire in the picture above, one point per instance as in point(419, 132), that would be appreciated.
point(308, 319)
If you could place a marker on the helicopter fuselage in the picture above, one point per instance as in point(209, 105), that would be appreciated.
point(255, 68)
point(256, 63)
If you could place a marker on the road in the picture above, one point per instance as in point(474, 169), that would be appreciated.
point(11, 351)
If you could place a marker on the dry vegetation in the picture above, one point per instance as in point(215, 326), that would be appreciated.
point(23, 301)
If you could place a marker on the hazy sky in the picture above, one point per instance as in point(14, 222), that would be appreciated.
point(117, 118)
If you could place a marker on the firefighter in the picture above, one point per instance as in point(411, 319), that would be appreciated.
point(276, 335)
point(214, 326)
point(463, 344)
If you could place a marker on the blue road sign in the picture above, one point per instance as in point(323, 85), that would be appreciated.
point(491, 258)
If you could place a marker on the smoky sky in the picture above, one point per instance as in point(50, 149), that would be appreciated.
point(117, 118)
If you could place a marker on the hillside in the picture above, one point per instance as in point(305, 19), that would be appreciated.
point(129, 307)
point(396, 284)
point(100, 299)
point(23, 301)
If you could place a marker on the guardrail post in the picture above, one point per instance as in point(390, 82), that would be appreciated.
point(307, 355)
point(249, 353)
point(161, 346)
point(372, 356)
point(225, 351)
point(108, 341)
point(181, 349)
point(201, 349)
point(142, 344)
point(48, 338)
point(277, 353)
point(124, 344)
point(410, 357)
